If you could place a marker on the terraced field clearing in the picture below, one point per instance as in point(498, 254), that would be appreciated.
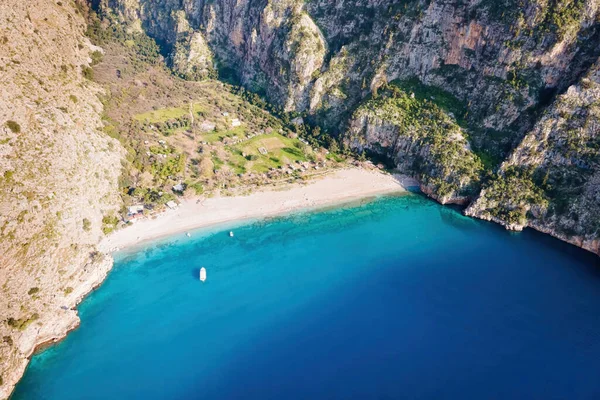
point(281, 150)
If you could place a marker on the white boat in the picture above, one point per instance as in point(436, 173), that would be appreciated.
point(202, 274)
point(230, 233)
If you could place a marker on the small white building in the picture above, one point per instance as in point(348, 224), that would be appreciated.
point(235, 123)
point(207, 126)
point(172, 205)
point(136, 209)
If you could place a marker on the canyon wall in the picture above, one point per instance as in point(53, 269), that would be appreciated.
point(58, 178)
point(489, 77)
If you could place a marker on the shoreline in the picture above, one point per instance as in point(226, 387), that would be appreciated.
point(56, 326)
point(336, 188)
point(332, 189)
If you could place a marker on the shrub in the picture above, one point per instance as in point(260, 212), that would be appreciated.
point(8, 340)
point(96, 57)
point(68, 290)
point(87, 72)
point(13, 126)
point(73, 98)
point(87, 225)
point(198, 188)
point(33, 290)
point(21, 323)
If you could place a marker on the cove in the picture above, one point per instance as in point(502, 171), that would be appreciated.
point(396, 298)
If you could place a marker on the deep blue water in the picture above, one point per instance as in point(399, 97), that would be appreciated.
point(399, 298)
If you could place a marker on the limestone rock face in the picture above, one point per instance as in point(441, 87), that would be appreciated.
point(507, 64)
point(561, 157)
point(504, 59)
point(272, 47)
point(57, 177)
point(493, 104)
point(191, 56)
point(421, 140)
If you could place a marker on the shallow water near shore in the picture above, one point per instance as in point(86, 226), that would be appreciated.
point(398, 298)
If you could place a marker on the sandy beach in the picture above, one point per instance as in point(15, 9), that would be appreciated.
point(337, 187)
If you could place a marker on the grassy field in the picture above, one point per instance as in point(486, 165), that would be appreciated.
point(165, 114)
point(281, 150)
point(199, 134)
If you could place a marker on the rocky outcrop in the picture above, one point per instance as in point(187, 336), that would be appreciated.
point(272, 47)
point(504, 62)
point(554, 173)
point(57, 177)
point(191, 56)
point(444, 89)
point(504, 59)
point(422, 140)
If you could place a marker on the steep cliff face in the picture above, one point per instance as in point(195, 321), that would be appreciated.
point(551, 182)
point(272, 47)
point(57, 177)
point(502, 58)
point(422, 140)
point(503, 62)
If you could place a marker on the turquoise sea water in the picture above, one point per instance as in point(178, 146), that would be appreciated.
point(399, 298)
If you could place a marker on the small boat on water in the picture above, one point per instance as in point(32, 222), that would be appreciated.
point(230, 233)
point(202, 274)
point(188, 234)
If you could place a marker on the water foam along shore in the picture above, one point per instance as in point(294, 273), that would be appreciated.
point(337, 187)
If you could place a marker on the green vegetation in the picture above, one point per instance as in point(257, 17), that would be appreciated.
point(87, 72)
point(13, 126)
point(563, 15)
point(142, 50)
point(312, 133)
point(512, 194)
point(97, 57)
point(33, 291)
point(437, 150)
point(559, 16)
point(281, 150)
point(87, 225)
point(441, 98)
point(165, 114)
point(68, 290)
point(22, 323)
point(503, 10)
point(109, 223)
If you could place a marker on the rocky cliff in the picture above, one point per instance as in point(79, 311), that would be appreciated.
point(422, 139)
point(476, 83)
point(551, 182)
point(503, 59)
point(57, 177)
point(492, 104)
point(272, 47)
